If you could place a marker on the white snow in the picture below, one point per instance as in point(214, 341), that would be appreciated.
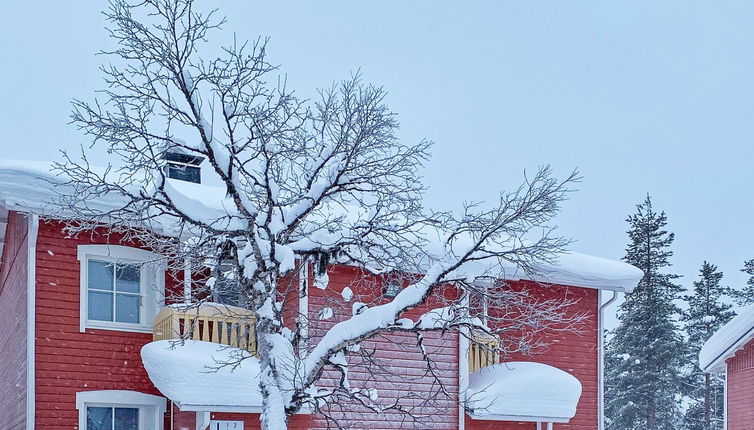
point(321, 281)
point(325, 314)
point(725, 342)
point(191, 375)
point(518, 390)
point(30, 186)
point(347, 294)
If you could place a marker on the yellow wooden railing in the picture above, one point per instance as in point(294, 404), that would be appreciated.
point(482, 350)
point(210, 322)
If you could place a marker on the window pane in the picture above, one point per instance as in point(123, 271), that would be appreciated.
point(126, 419)
point(127, 278)
point(100, 275)
point(99, 418)
point(127, 308)
point(100, 306)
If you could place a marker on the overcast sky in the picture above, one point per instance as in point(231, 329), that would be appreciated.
point(641, 97)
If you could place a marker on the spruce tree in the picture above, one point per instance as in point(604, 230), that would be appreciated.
point(745, 297)
point(705, 314)
point(646, 351)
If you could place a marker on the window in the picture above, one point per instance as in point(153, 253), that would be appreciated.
point(107, 418)
point(119, 410)
point(114, 292)
point(121, 287)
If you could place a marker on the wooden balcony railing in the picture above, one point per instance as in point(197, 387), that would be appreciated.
point(210, 322)
point(482, 351)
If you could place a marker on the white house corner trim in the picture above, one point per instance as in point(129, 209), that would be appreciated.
point(31, 320)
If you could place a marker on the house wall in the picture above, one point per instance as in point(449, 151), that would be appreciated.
point(405, 372)
point(13, 318)
point(741, 389)
point(68, 361)
point(399, 371)
point(573, 352)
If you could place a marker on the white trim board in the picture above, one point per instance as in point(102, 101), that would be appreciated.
point(31, 319)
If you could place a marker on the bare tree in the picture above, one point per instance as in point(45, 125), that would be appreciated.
point(320, 181)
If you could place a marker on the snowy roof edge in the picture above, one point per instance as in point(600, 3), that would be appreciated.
point(29, 186)
point(728, 340)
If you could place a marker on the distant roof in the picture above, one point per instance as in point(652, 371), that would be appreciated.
point(523, 391)
point(29, 186)
point(727, 341)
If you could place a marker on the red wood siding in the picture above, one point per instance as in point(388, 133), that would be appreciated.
point(13, 296)
point(68, 361)
point(575, 353)
point(400, 371)
point(741, 389)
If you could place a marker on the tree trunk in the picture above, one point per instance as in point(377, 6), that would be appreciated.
point(273, 407)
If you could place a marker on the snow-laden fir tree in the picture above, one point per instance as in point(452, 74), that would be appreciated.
point(745, 297)
point(646, 351)
point(705, 314)
point(297, 181)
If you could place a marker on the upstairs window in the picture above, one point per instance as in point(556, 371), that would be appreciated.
point(114, 292)
point(121, 287)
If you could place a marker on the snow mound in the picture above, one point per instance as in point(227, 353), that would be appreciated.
point(522, 391)
point(725, 342)
point(193, 375)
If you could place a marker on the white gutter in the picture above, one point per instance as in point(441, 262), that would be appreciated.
point(601, 361)
point(31, 320)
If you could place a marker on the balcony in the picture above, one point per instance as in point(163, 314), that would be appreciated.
point(482, 351)
point(209, 322)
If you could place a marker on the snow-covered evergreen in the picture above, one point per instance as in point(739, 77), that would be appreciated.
point(645, 353)
point(745, 297)
point(706, 313)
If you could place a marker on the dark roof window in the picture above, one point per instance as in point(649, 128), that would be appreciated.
point(183, 167)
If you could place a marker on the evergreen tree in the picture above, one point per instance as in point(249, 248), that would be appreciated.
point(706, 313)
point(646, 351)
point(745, 297)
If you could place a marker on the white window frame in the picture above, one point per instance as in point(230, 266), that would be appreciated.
point(152, 268)
point(151, 408)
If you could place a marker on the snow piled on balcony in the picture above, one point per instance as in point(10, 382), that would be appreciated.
point(204, 376)
point(522, 391)
point(725, 342)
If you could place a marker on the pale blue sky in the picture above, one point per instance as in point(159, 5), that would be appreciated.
point(641, 96)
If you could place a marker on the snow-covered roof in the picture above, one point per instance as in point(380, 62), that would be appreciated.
point(31, 186)
point(522, 391)
point(193, 375)
point(725, 342)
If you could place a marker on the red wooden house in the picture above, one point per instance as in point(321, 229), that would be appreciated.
point(729, 353)
point(84, 343)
